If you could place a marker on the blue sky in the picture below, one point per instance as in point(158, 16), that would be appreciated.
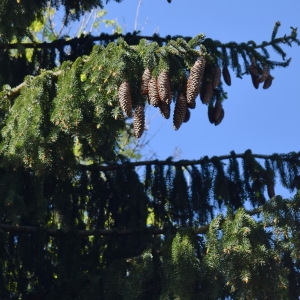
point(265, 121)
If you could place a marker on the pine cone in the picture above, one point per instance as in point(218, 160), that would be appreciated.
point(145, 81)
point(255, 81)
point(179, 111)
point(216, 77)
point(206, 92)
point(264, 75)
point(124, 95)
point(271, 190)
point(220, 117)
point(215, 113)
point(194, 81)
point(211, 113)
point(253, 70)
point(226, 76)
point(153, 92)
point(268, 82)
point(218, 110)
point(164, 87)
point(139, 121)
point(187, 115)
point(165, 109)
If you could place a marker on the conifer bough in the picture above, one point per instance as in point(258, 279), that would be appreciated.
point(157, 71)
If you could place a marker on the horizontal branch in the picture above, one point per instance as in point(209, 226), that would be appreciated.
point(19, 229)
point(181, 163)
point(84, 233)
point(61, 43)
point(134, 38)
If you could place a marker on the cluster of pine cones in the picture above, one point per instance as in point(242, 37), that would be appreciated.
point(159, 93)
point(203, 80)
point(259, 75)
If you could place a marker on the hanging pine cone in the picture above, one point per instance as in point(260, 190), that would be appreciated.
point(124, 96)
point(153, 92)
point(268, 82)
point(139, 121)
point(145, 81)
point(164, 87)
point(187, 115)
point(264, 74)
point(216, 77)
point(255, 81)
point(165, 109)
point(253, 70)
point(206, 92)
point(271, 190)
point(226, 76)
point(211, 113)
point(218, 110)
point(215, 113)
point(194, 81)
point(179, 111)
point(220, 117)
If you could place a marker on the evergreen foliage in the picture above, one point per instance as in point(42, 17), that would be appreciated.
point(78, 220)
point(22, 13)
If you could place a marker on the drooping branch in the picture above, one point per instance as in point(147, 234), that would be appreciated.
point(109, 82)
point(84, 233)
point(15, 92)
point(16, 229)
point(135, 38)
point(292, 157)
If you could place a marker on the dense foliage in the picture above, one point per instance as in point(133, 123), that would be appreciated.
point(81, 220)
point(22, 13)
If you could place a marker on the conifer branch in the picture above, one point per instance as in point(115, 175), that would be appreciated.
point(215, 47)
point(15, 92)
point(84, 233)
point(183, 163)
point(131, 38)
point(135, 38)
point(123, 232)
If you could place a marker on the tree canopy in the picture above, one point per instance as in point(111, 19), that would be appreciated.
point(80, 219)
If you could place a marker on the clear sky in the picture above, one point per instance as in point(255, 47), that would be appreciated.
point(265, 121)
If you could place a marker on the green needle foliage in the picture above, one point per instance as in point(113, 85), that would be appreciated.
point(80, 220)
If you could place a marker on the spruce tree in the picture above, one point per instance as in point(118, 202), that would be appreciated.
point(81, 220)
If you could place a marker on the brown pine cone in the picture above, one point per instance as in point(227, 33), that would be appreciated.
point(187, 116)
point(220, 117)
point(153, 92)
point(165, 109)
point(164, 87)
point(253, 70)
point(179, 111)
point(145, 81)
point(216, 77)
point(194, 81)
point(124, 96)
point(271, 190)
point(268, 82)
point(139, 121)
point(211, 113)
point(226, 76)
point(218, 110)
point(206, 92)
point(264, 75)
